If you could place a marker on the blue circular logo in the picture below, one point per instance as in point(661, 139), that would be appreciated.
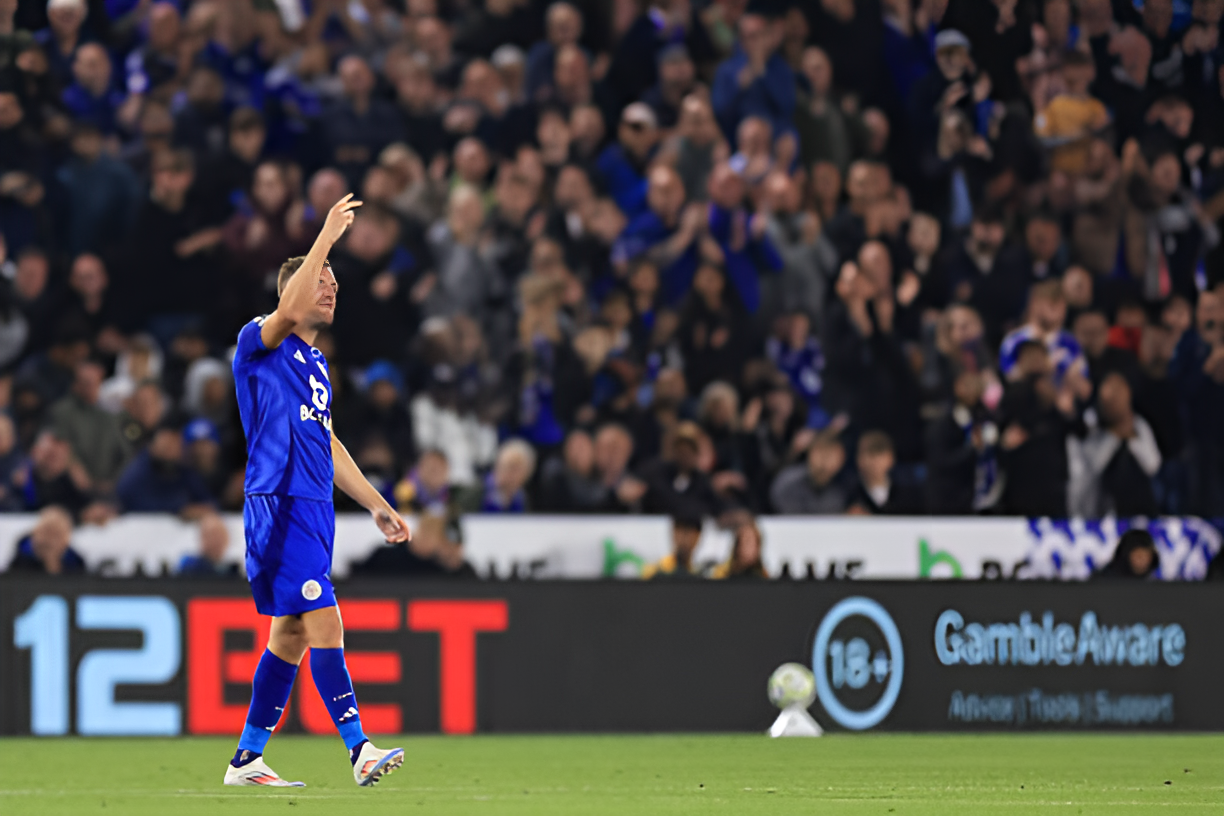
point(838, 665)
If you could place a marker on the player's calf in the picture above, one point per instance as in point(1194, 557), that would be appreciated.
point(336, 688)
point(269, 694)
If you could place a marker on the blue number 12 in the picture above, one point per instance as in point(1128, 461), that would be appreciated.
point(43, 629)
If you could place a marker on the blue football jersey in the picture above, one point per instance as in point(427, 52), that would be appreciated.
point(284, 396)
point(1065, 353)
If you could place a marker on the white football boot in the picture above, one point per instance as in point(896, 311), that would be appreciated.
point(256, 772)
point(374, 763)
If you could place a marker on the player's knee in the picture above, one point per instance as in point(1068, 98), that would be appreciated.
point(287, 639)
point(327, 637)
point(324, 629)
point(288, 647)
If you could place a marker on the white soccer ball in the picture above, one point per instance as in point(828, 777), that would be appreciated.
point(792, 684)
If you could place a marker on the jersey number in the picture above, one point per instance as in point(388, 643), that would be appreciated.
point(318, 394)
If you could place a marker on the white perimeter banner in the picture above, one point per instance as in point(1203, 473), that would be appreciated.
point(591, 547)
point(836, 547)
point(154, 544)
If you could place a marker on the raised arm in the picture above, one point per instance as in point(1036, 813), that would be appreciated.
point(350, 479)
point(302, 290)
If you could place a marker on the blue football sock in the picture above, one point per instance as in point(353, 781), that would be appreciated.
point(269, 693)
point(244, 756)
point(355, 751)
point(332, 679)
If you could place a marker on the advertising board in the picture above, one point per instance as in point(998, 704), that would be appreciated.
point(167, 657)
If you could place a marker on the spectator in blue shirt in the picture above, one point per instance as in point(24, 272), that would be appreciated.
point(504, 489)
point(210, 563)
point(1047, 312)
point(798, 355)
point(92, 98)
point(1197, 371)
point(48, 478)
point(239, 60)
point(667, 234)
point(623, 165)
point(755, 81)
point(741, 236)
point(157, 62)
point(48, 547)
point(158, 480)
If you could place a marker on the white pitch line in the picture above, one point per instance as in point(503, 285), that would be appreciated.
point(511, 797)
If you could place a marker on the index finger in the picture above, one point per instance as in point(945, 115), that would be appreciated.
point(343, 200)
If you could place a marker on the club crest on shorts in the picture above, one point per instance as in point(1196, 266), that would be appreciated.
point(311, 590)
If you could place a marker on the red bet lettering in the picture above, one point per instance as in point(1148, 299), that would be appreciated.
point(457, 623)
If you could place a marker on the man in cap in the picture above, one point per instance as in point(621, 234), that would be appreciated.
point(202, 442)
point(677, 78)
point(955, 84)
point(623, 165)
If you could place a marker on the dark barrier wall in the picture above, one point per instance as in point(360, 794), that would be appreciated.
point(170, 657)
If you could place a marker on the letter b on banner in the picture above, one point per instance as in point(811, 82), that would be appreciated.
point(210, 666)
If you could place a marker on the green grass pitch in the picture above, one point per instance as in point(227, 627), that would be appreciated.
point(575, 775)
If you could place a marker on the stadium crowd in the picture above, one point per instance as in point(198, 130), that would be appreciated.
point(690, 257)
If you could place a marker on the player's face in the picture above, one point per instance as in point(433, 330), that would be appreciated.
point(325, 296)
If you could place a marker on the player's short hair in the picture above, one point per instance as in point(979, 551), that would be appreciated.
point(287, 269)
point(286, 272)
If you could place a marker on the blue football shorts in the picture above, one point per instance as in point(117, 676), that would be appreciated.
point(289, 553)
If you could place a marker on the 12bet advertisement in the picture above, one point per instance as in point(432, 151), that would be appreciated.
point(166, 657)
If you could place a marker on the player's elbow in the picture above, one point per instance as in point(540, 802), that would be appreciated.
point(291, 312)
